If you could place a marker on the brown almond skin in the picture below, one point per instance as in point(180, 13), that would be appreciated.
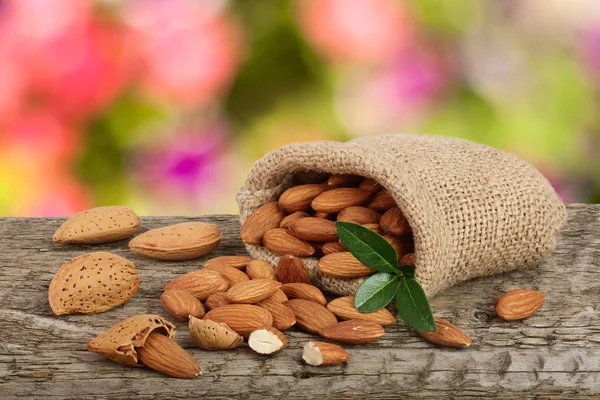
point(394, 222)
point(407, 259)
point(200, 284)
point(336, 181)
point(382, 201)
point(216, 300)
point(314, 229)
point(252, 291)
point(311, 316)
point(332, 353)
point(181, 304)
point(324, 215)
point(335, 200)
point(266, 217)
point(258, 269)
point(233, 275)
point(447, 334)
point(237, 262)
point(353, 331)
point(242, 318)
point(333, 247)
point(290, 219)
point(283, 316)
point(343, 308)
point(164, 355)
point(370, 184)
point(402, 246)
point(304, 291)
point(277, 297)
point(299, 198)
point(359, 215)
point(291, 269)
point(304, 177)
point(282, 242)
point(375, 228)
point(518, 304)
point(343, 265)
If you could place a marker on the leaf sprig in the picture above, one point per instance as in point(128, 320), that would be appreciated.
point(391, 280)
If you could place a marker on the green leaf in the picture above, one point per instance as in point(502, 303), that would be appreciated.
point(408, 271)
point(413, 306)
point(368, 247)
point(376, 292)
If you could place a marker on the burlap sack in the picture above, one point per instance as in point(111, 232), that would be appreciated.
point(474, 210)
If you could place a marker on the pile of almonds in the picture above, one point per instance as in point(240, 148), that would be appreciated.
point(301, 222)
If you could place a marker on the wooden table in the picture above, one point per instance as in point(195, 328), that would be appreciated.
point(553, 354)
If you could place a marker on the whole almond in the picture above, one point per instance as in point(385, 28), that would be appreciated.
point(282, 242)
point(395, 223)
point(322, 354)
point(304, 177)
point(343, 265)
point(407, 259)
point(375, 228)
point(324, 215)
point(343, 308)
point(353, 331)
point(370, 184)
point(291, 269)
point(402, 246)
point(181, 304)
point(277, 297)
point(288, 220)
point(98, 225)
point(200, 284)
point(216, 300)
point(304, 291)
point(92, 283)
point(258, 269)
point(299, 198)
point(446, 334)
point(314, 229)
point(233, 275)
point(336, 181)
point(267, 340)
point(252, 291)
point(333, 247)
point(382, 201)
point(518, 304)
point(162, 354)
point(242, 318)
point(266, 217)
point(283, 316)
point(238, 262)
point(311, 316)
point(183, 241)
point(359, 215)
point(211, 335)
point(335, 200)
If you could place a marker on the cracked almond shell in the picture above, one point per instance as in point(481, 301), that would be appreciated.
point(98, 225)
point(211, 335)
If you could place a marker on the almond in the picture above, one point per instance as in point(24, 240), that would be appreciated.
point(200, 284)
point(343, 265)
point(98, 225)
point(447, 334)
point(359, 215)
point(277, 297)
point(336, 181)
point(314, 229)
point(402, 246)
point(335, 200)
point(343, 308)
point(233, 275)
point(211, 335)
point(370, 184)
point(303, 291)
point(283, 316)
point(238, 262)
point(266, 217)
point(394, 222)
point(353, 331)
point(162, 354)
point(333, 247)
point(242, 318)
point(258, 269)
point(304, 177)
point(310, 316)
point(324, 215)
point(375, 228)
point(183, 241)
point(321, 354)
point(181, 304)
point(216, 300)
point(267, 340)
point(382, 201)
point(282, 242)
point(252, 291)
point(291, 269)
point(92, 283)
point(407, 259)
point(299, 198)
point(287, 221)
point(518, 304)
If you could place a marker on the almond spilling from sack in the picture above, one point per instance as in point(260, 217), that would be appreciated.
point(518, 304)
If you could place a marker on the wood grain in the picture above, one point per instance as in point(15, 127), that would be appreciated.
point(553, 354)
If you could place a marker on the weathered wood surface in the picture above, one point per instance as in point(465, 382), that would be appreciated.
point(554, 354)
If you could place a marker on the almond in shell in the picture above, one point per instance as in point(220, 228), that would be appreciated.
point(266, 217)
point(98, 225)
point(211, 335)
point(242, 318)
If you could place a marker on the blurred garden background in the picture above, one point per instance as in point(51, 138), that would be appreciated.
point(164, 105)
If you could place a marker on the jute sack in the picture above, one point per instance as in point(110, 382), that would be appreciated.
point(474, 210)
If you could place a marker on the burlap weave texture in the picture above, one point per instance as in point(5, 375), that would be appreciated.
point(474, 210)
